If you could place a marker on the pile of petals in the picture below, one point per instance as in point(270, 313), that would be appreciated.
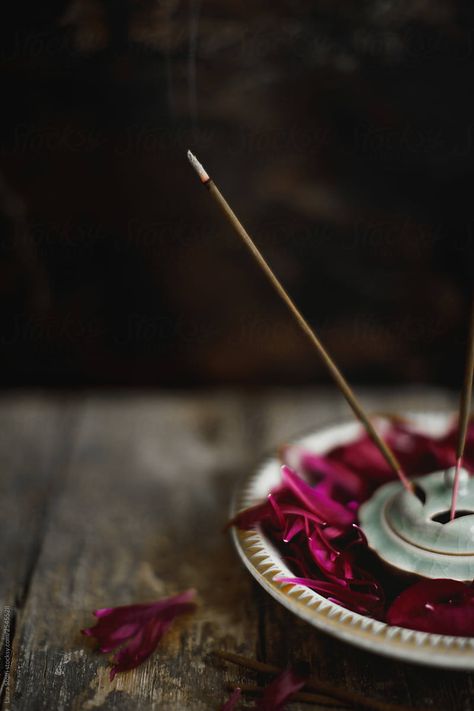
point(275, 695)
point(133, 631)
point(311, 517)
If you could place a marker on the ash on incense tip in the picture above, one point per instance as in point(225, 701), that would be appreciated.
point(198, 167)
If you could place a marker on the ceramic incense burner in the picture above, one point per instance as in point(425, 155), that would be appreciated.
point(414, 533)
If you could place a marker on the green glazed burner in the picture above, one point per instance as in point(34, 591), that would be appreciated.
point(414, 533)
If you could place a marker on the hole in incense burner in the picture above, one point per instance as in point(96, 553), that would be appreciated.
point(445, 516)
point(420, 493)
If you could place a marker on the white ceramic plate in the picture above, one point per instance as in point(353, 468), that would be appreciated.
point(265, 564)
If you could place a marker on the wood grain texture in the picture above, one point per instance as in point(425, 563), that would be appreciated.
point(114, 499)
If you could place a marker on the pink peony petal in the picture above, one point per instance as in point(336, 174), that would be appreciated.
point(272, 500)
point(364, 603)
point(249, 518)
point(363, 458)
point(439, 606)
point(232, 702)
point(140, 646)
point(280, 690)
point(290, 510)
point(138, 628)
point(315, 500)
point(293, 528)
point(335, 564)
point(319, 466)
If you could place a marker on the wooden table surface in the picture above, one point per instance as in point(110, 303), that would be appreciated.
point(119, 498)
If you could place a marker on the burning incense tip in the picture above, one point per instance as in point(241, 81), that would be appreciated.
point(204, 177)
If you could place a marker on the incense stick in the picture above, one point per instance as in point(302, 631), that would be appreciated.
point(334, 371)
point(302, 696)
point(324, 688)
point(464, 411)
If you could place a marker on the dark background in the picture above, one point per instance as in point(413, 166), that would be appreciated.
point(342, 134)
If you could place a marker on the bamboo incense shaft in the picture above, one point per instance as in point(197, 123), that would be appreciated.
point(336, 374)
point(464, 409)
point(303, 696)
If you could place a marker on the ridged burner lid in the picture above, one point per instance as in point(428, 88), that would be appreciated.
point(414, 533)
